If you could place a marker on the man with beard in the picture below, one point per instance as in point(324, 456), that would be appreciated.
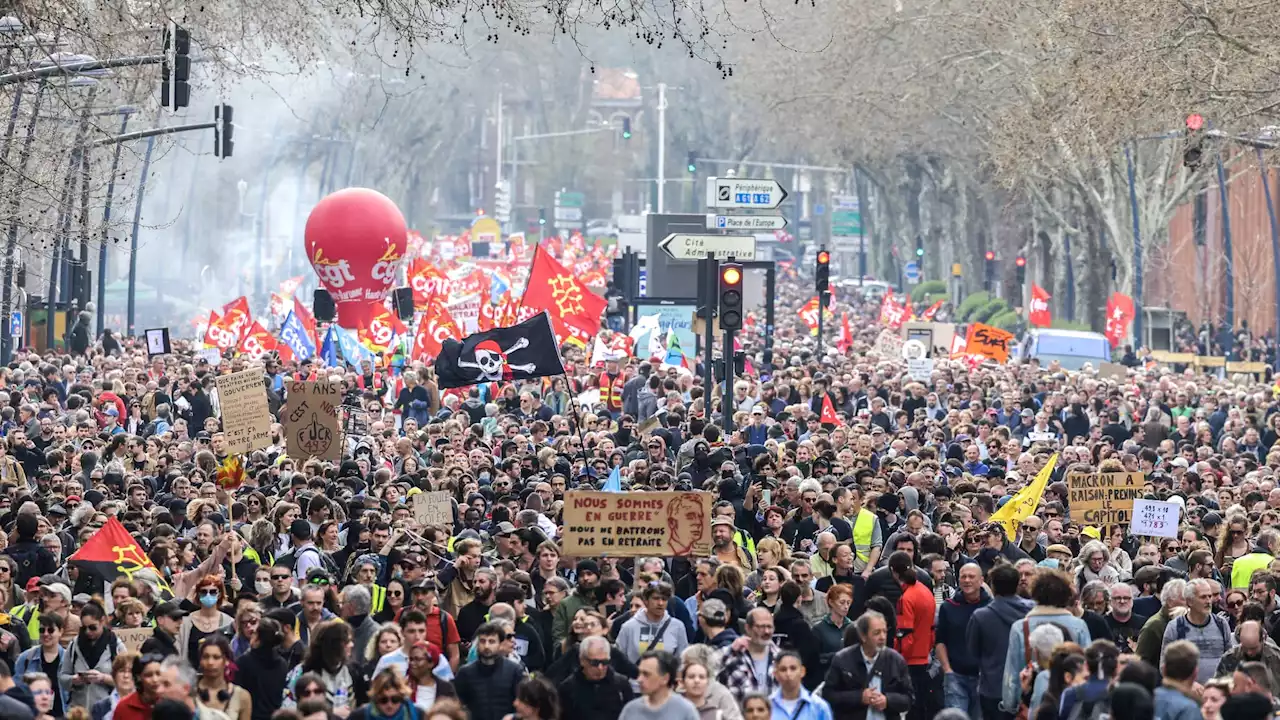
point(457, 580)
point(487, 687)
point(1252, 648)
point(473, 614)
point(584, 595)
point(725, 549)
point(86, 669)
point(1123, 622)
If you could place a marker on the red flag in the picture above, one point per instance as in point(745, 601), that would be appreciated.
point(1119, 315)
point(933, 309)
point(845, 343)
point(308, 320)
point(809, 314)
point(236, 316)
point(829, 416)
point(488, 318)
point(1038, 313)
point(383, 328)
point(218, 333)
point(111, 552)
point(436, 327)
point(256, 341)
point(893, 314)
point(553, 288)
point(427, 282)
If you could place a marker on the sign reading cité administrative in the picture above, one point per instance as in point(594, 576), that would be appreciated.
point(246, 418)
point(638, 523)
point(311, 420)
point(1104, 498)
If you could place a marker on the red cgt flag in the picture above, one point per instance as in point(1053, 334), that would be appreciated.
point(436, 327)
point(554, 289)
point(236, 316)
point(829, 416)
point(1038, 311)
point(256, 341)
point(1119, 315)
point(892, 313)
point(383, 327)
point(219, 334)
point(845, 343)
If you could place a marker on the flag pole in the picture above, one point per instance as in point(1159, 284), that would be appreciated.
point(577, 423)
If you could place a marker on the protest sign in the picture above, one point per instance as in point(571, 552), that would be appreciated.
point(1103, 498)
point(988, 341)
point(246, 420)
point(311, 420)
point(1154, 518)
point(213, 356)
point(889, 345)
point(1112, 371)
point(433, 508)
point(133, 638)
point(920, 370)
point(598, 524)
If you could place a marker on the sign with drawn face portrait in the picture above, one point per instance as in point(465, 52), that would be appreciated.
point(598, 524)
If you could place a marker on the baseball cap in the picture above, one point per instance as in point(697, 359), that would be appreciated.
point(412, 558)
point(1211, 519)
point(1057, 549)
point(59, 589)
point(1179, 462)
point(722, 521)
point(503, 528)
point(1028, 412)
point(170, 610)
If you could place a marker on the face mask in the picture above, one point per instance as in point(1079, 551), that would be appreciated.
point(263, 587)
point(208, 601)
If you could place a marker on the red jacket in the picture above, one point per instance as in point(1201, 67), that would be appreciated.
point(131, 707)
point(916, 611)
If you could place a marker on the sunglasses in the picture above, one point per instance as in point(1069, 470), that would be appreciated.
point(322, 581)
point(208, 593)
point(48, 630)
point(390, 700)
point(598, 663)
point(279, 577)
point(313, 692)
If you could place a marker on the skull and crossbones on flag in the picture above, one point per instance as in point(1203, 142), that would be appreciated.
point(519, 352)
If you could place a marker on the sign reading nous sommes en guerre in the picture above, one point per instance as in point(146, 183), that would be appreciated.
point(1104, 498)
point(598, 524)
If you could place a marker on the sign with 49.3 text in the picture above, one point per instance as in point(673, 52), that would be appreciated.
point(311, 420)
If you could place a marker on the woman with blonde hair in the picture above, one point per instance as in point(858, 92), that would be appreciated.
point(770, 552)
point(385, 641)
point(698, 684)
point(413, 402)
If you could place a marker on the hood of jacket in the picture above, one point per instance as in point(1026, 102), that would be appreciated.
point(958, 598)
point(1010, 609)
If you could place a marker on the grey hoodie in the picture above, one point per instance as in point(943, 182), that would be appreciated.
point(988, 639)
point(639, 635)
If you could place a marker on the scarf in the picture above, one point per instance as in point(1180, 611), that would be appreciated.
point(92, 651)
point(406, 711)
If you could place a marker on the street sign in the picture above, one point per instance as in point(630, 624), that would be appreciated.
point(502, 202)
point(568, 213)
point(745, 222)
point(643, 285)
point(692, 247)
point(15, 323)
point(911, 272)
point(744, 193)
point(846, 216)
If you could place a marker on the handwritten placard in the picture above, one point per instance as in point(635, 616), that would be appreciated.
point(311, 420)
point(1104, 498)
point(246, 419)
point(988, 341)
point(433, 508)
point(889, 345)
point(1154, 518)
point(133, 638)
point(598, 524)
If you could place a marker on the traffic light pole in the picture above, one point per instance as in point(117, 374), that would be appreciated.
point(726, 400)
point(822, 311)
point(711, 282)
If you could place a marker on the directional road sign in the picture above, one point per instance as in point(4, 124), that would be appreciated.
point(722, 247)
point(911, 272)
point(745, 222)
point(744, 193)
point(15, 323)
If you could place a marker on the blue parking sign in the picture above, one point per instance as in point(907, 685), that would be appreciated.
point(15, 323)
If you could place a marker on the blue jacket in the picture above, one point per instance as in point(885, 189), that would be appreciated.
point(1015, 657)
point(1173, 705)
point(811, 707)
point(952, 630)
point(30, 661)
point(987, 637)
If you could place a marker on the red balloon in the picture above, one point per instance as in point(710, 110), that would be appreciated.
point(356, 239)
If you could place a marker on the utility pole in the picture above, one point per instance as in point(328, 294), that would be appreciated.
point(662, 145)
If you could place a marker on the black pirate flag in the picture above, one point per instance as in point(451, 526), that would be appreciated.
point(520, 352)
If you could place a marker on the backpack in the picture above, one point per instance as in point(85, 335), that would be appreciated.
point(290, 560)
point(1097, 710)
point(27, 558)
point(1182, 626)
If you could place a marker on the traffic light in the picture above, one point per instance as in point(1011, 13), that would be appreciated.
point(626, 128)
point(223, 131)
point(1193, 142)
point(989, 267)
point(693, 163)
point(919, 247)
point(731, 296)
point(1021, 264)
point(175, 91)
point(822, 273)
point(542, 216)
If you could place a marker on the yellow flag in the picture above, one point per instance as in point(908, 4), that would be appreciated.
point(1023, 505)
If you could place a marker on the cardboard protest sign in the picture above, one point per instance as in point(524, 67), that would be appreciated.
point(1112, 371)
point(1155, 518)
point(311, 420)
point(133, 638)
point(988, 341)
point(665, 524)
point(246, 419)
point(433, 508)
point(889, 345)
point(1104, 498)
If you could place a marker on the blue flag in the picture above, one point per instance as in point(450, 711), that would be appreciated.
point(352, 351)
point(614, 483)
point(294, 335)
point(329, 348)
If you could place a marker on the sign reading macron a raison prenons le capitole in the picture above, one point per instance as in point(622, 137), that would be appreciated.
point(1104, 498)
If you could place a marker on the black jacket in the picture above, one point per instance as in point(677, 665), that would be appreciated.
point(163, 643)
point(33, 560)
point(847, 678)
point(568, 663)
point(596, 700)
point(883, 583)
point(262, 673)
point(489, 691)
point(790, 622)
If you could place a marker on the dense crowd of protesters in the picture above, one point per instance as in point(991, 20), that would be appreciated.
point(856, 571)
